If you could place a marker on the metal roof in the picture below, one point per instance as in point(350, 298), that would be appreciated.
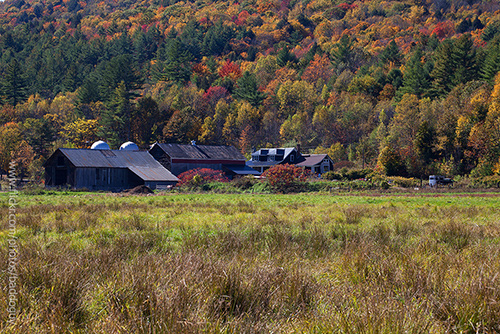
point(312, 160)
point(201, 152)
point(153, 173)
point(285, 151)
point(241, 170)
point(139, 162)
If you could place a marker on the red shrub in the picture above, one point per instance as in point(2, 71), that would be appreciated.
point(285, 178)
point(200, 176)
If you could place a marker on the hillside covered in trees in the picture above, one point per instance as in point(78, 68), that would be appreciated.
point(408, 87)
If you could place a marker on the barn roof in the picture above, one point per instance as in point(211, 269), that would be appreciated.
point(201, 152)
point(140, 163)
point(312, 160)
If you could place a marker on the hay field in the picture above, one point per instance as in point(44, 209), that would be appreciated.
point(213, 263)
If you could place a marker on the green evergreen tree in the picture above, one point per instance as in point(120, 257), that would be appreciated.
point(465, 67)
point(285, 57)
point(173, 64)
point(117, 70)
point(424, 142)
point(89, 91)
point(391, 54)
point(491, 65)
point(14, 84)
point(443, 65)
point(116, 119)
point(246, 89)
point(343, 51)
point(416, 79)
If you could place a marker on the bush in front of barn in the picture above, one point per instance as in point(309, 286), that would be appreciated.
point(195, 178)
point(285, 178)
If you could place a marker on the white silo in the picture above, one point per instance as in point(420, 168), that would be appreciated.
point(129, 146)
point(100, 145)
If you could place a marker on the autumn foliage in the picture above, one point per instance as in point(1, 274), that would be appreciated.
point(199, 176)
point(285, 178)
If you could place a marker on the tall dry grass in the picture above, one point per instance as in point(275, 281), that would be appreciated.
point(278, 264)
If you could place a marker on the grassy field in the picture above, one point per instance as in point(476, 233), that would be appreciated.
point(205, 263)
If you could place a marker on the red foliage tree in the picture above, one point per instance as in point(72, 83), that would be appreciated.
point(444, 29)
point(230, 69)
point(214, 94)
point(320, 67)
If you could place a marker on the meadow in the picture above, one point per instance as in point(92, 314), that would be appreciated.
point(249, 263)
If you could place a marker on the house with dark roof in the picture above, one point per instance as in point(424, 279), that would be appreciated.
point(179, 158)
point(316, 163)
point(267, 157)
point(105, 169)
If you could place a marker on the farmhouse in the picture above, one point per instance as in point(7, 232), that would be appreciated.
point(267, 157)
point(103, 169)
point(179, 158)
point(317, 163)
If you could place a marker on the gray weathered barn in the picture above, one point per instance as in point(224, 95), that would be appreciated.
point(104, 169)
point(179, 158)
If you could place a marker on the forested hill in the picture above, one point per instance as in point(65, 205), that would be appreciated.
point(407, 87)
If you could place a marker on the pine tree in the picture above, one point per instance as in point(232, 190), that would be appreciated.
point(285, 57)
point(343, 52)
point(120, 69)
point(116, 119)
point(14, 84)
point(424, 141)
point(491, 65)
point(465, 67)
point(443, 64)
point(172, 63)
point(391, 54)
point(416, 79)
point(247, 90)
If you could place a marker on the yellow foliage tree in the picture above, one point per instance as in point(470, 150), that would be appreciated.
point(81, 133)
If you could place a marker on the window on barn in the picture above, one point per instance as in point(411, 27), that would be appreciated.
point(97, 174)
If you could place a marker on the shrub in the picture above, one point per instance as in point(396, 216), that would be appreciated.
point(199, 176)
point(331, 176)
point(355, 174)
point(285, 178)
point(405, 182)
point(244, 183)
point(492, 181)
point(482, 170)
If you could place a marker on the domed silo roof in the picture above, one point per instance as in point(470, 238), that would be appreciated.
point(100, 145)
point(129, 146)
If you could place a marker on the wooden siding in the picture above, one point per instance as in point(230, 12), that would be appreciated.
point(162, 157)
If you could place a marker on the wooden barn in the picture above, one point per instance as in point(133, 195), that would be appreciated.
point(179, 158)
point(104, 169)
